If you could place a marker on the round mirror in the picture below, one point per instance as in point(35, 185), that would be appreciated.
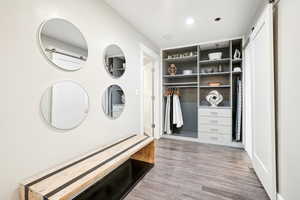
point(63, 44)
point(115, 61)
point(65, 105)
point(113, 101)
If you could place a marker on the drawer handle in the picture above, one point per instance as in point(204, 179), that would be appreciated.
point(214, 129)
point(214, 138)
point(214, 113)
point(214, 121)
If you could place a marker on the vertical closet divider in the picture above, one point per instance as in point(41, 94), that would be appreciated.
point(231, 92)
point(198, 85)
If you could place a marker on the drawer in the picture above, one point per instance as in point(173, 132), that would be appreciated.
point(214, 121)
point(219, 130)
point(215, 139)
point(211, 112)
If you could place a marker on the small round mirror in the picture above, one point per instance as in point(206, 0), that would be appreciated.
point(115, 61)
point(65, 105)
point(63, 44)
point(113, 101)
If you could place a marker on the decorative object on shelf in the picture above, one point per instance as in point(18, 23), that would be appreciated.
point(220, 68)
point(187, 72)
point(214, 98)
point(182, 55)
point(215, 69)
point(187, 54)
point(172, 69)
point(237, 69)
point(209, 70)
point(237, 54)
point(215, 56)
point(214, 84)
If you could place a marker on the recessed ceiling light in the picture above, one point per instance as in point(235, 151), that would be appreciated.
point(218, 19)
point(190, 21)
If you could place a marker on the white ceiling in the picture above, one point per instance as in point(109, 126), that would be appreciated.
point(163, 21)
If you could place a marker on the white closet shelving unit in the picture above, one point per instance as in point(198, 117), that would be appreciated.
point(203, 123)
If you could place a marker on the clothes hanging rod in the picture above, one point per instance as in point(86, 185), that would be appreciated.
point(65, 54)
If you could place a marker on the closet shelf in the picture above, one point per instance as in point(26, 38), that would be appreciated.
point(221, 86)
point(214, 73)
point(188, 58)
point(181, 75)
point(236, 61)
point(219, 107)
point(224, 60)
point(236, 73)
point(179, 84)
point(183, 86)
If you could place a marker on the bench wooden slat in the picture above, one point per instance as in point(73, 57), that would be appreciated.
point(75, 178)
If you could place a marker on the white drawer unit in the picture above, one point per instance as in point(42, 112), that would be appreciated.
point(214, 121)
point(216, 139)
point(219, 130)
point(215, 112)
point(215, 125)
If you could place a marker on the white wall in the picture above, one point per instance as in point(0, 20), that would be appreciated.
point(27, 144)
point(288, 71)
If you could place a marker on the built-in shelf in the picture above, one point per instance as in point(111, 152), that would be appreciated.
point(211, 107)
point(214, 73)
point(182, 86)
point(237, 72)
point(187, 58)
point(181, 75)
point(197, 84)
point(179, 84)
point(223, 60)
point(236, 61)
point(221, 86)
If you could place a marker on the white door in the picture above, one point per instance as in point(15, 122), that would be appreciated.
point(263, 109)
point(148, 93)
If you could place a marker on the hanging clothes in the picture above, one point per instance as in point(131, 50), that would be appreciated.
point(177, 112)
point(173, 113)
point(239, 111)
point(167, 128)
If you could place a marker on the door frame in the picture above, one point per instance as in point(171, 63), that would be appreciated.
point(144, 50)
point(266, 18)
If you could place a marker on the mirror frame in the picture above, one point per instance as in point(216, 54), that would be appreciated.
point(104, 61)
point(79, 123)
point(42, 47)
point(107, 116)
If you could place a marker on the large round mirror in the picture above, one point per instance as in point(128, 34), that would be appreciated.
point(113, 101)
point(63, 44)
point(65, 105)
point(115, 61)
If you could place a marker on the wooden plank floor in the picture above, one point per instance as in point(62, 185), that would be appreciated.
point(193, 171)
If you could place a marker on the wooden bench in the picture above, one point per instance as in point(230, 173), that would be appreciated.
point(67, 181)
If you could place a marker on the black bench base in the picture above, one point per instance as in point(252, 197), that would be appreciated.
point(118, 183)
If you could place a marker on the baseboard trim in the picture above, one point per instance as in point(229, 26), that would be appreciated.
point(279, 197)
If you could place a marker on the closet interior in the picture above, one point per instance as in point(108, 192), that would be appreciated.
point(207, 79)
